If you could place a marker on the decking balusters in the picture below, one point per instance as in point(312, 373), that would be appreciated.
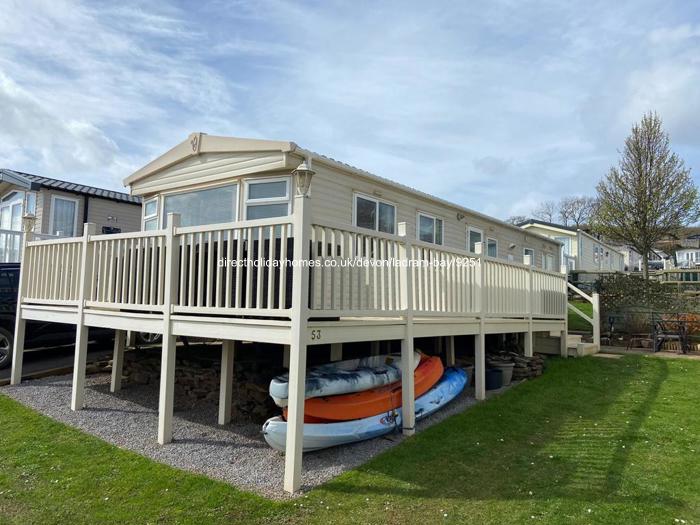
point(239, 269)
point(229, 268)
point(249, 270)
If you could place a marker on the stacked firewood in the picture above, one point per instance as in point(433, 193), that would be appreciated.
point(526, 367)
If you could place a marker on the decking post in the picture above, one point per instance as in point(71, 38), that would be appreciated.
point(20, 324)
point(408, 397)
point(228, 349)
point(298, 337)
point(375, 348)
point(450, 358)
point(595, 314)
point(168, 352)
point(81, 331)
point(285, 356)
point(480, 338)
point(336, 351)
point(480, 363)
point(118, 360)
point(527, 350)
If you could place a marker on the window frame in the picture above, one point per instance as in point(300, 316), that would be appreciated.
point(471, 229)
point(25, 202)
point(495, 241)
point(376, 201)
point(147, 218)
point(161, 198)
point(76, 201)
point(532, 258)
point(434, 218)
point(269, 200)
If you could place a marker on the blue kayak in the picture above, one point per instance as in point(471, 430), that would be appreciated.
point(324, 435)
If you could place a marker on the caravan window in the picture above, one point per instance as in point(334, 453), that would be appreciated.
point(200, 207)
point(374, 214)
point(429, 228)
point(266, 198)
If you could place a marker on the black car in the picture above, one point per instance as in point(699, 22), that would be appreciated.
point(38, 334)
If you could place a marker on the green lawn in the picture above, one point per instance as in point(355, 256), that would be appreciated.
point(578, 323)
point(592, 441)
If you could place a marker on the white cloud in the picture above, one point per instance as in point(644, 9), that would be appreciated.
point(495, 106)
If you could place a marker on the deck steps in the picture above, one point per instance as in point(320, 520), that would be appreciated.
point(574, 343)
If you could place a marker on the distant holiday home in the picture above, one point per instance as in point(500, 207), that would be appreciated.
point(580, 251)
point(61, 208)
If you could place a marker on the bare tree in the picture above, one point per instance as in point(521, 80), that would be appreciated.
point(576, 211)
point(546, 211)
point(516, 219)
point(649, 195)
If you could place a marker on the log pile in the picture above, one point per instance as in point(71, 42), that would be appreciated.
point(525, 367)
point(197, 382)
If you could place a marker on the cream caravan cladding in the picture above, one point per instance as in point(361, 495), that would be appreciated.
point(596, 254)
point(204, 161)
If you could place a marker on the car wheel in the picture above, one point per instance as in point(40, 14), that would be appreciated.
point(144, 338)
point(6, 342)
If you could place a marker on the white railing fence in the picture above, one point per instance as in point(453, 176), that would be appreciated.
point(242, 268)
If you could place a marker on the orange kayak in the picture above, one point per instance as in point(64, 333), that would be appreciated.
point(368, 403)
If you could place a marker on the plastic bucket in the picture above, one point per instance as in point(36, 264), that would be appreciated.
point(494, 378)
point(507, 369)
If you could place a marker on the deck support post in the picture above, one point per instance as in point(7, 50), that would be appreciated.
point(480, 363)
point(528, 345)
point(375, 348)
point(285, 356)
point(336, 351)
point(21, 324)
point(228, 349)
point(408, 397)
point(301, 222)
point(563, 344)
point(118, 360)
point(450, 357)
point(18, 348)
point(81, 331)
point(166, 399)
point(480, 338)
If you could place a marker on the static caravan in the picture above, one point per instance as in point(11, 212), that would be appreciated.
point(580, 251)
point(60, 209)
point(263, 240)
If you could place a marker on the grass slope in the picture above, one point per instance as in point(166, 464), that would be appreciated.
point(592, 441)
point(578, 323)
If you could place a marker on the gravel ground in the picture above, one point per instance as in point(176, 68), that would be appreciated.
point(235, 453)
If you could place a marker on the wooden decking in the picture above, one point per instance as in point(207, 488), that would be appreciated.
point(352, 285)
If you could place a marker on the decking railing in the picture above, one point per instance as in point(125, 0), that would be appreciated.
point(245, 268)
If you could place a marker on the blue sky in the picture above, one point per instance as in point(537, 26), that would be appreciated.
point(495, 105)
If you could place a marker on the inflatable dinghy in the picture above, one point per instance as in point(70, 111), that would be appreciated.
point(343, 377)
point(323, 435)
